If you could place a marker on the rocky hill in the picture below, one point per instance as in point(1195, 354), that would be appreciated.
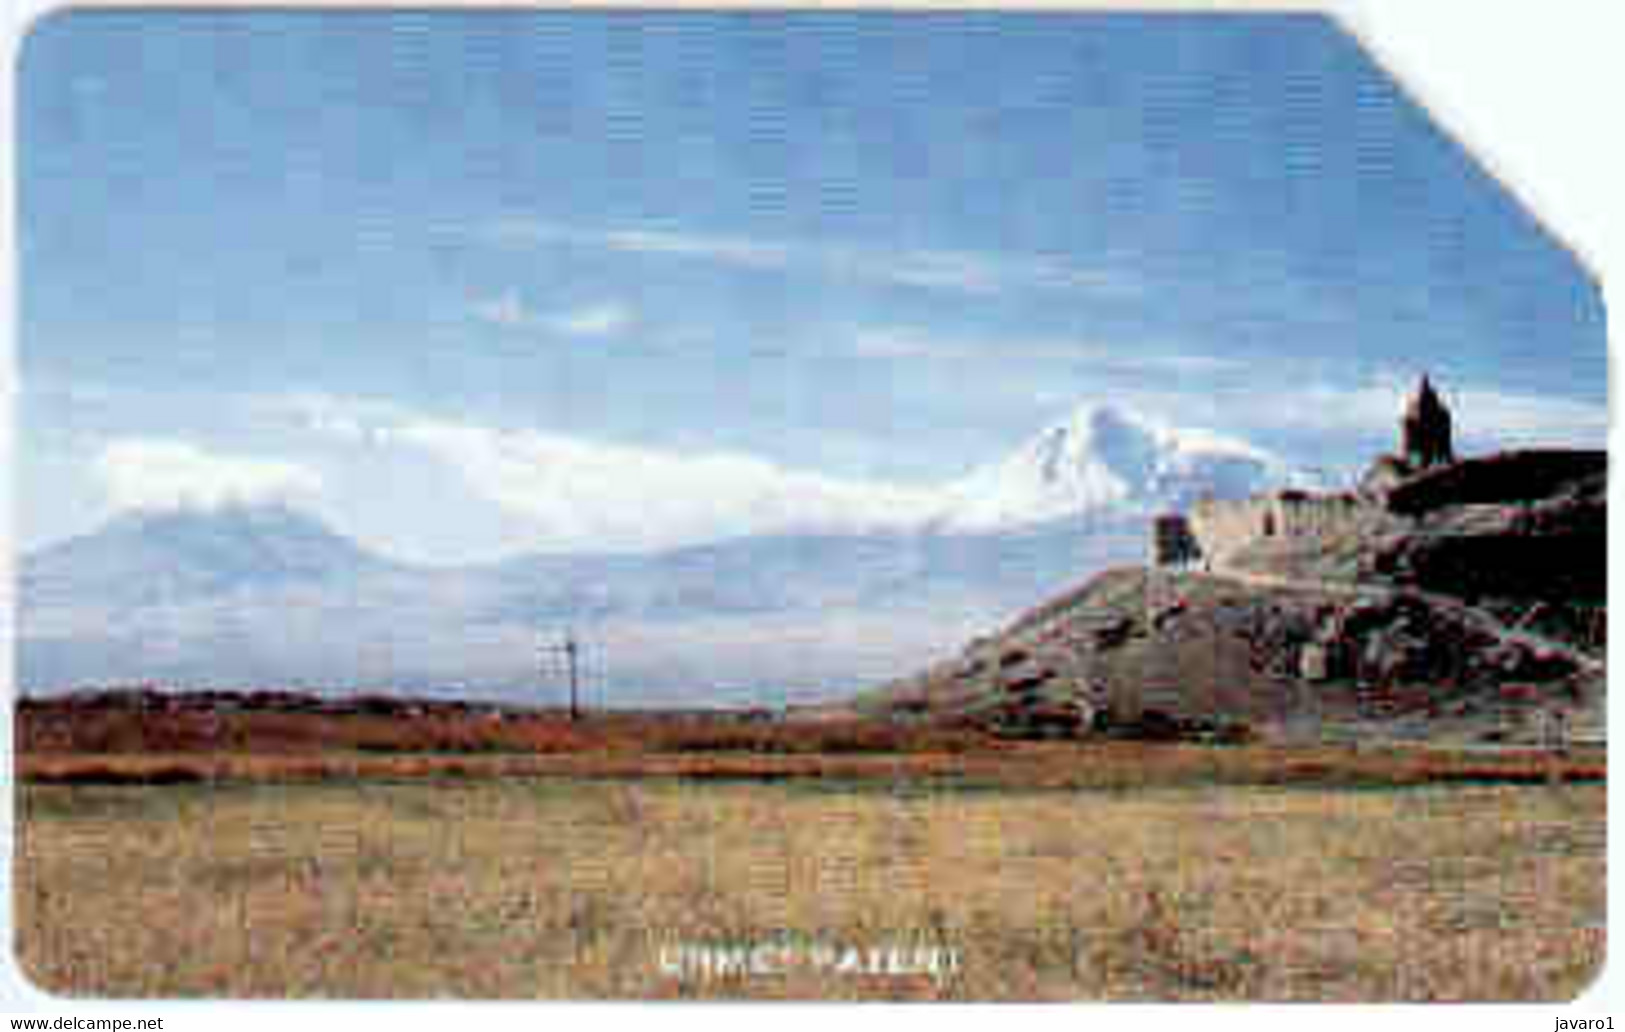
point(1477, 620)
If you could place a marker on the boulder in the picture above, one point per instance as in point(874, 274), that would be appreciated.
point(1397, 654)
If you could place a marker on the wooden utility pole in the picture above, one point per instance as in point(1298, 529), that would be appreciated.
point(570, 648)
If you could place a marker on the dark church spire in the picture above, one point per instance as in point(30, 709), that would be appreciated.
point(1425, 434)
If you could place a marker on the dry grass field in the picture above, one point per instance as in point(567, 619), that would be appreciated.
point(573, 887)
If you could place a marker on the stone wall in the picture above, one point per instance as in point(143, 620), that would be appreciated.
point(1518, 477)
point(1222, 527)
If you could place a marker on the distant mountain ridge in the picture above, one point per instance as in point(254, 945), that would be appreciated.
point(216, 548)
point(269, 595)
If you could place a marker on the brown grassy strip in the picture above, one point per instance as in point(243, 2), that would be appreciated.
point(65, 728)
point(1109, 765)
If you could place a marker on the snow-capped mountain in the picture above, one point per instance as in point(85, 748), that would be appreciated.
point(1108, 461)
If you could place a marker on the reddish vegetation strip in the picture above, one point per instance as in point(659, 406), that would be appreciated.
point(182, 768)
point(1081, 767)
point(53, 729)
point(112, 742)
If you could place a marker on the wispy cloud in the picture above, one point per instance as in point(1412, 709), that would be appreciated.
point(348, 419)
point(593, 320)
point(730, 250)
point(980, 273)
point(1490, 416)
point(510, 311)
point(153, 473)
point(1517, 419)
point(911, 343)
point(1487, 416)
point(505, 310)
point(964, 272)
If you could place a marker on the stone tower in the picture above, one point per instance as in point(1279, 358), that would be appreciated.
point(1425, 435)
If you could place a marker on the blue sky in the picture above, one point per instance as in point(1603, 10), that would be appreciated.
point(473, 284)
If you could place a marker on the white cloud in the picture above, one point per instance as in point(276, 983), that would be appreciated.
point(582, 494)
point(150, 473)
point(964, 272)
point(592, 495)
point(579, 493)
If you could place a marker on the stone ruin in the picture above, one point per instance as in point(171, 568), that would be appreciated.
point(1423, 474)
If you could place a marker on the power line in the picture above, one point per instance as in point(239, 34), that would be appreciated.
point(571, 649)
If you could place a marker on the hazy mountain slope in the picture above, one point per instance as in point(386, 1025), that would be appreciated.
point(150, 556)
point(254, 597)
